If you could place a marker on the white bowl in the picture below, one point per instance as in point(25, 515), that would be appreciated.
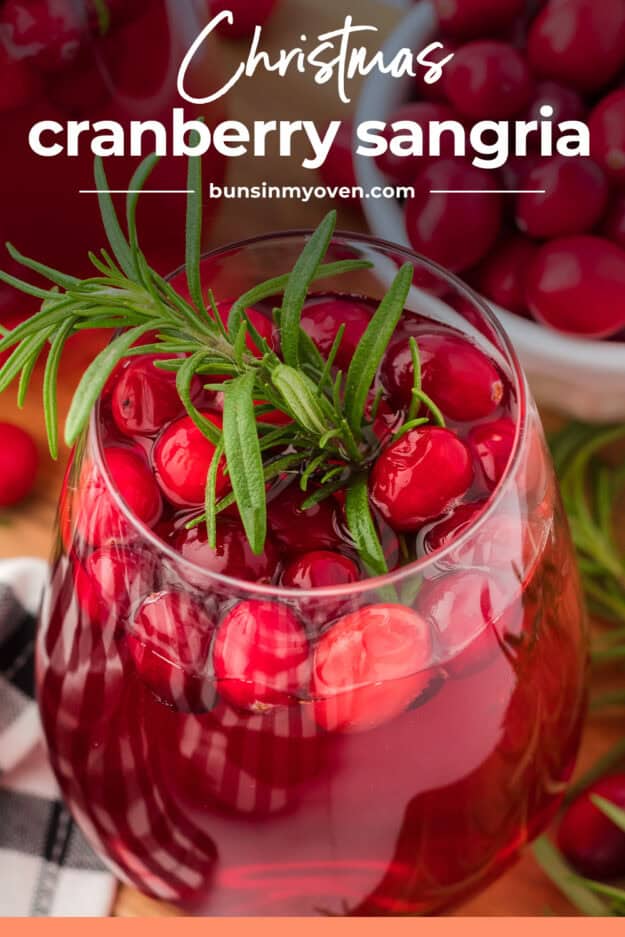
point(579, 378)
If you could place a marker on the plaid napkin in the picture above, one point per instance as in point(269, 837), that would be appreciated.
point(46, 866)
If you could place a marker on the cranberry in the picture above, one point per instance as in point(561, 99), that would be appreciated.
point(320, 569)
point(322, 320)
point(418, 477)
point(580, 43)
point(19, 460)
point(247, 15)
point(566, 103)
point(109, 580)
point(492, 444)
point(370, 666)
point(99, 520)
point(607, 135)
point(261, 655)
point(470, 19)
point(457, 231)
point(339, 171)
point(445, 532)
point(232, 555)
point(144, 397)
point(403, 168)
point(301, 531)
point(169, 642)
point(46, 33)
point(120, 11)
point(465, 384)
point(260, 322)
point(501, 277)
point(577, 285)
point(434, 91)
point(575, 195)
point(182, 457)
point(18, 83)
point(591, 842)
point(488, 80)
point(613, 226)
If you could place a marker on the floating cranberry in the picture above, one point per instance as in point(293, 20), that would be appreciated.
point(248, 14)
point(577, 285)
point(98, 518)
point(19, 84)
point(322, 320)
point(464, 383)
point(370, 666)
point(338, 170)
point(488, 80)
point(445, 532)
point(19, 461)
point(182, 457)
point(492, 444)
point(47, 33)
point(591, 842)
point(501, 276)
point(419, 477)
point(109, 580)
point(259, 321)
point(567, 104)
point(232, 555)
point(300, 531)
point(144, 397)
point(574, 197)
point(456, 230)
point(470, 19)
point(607, 135)
point(580, 43)
point(261, 656)
point(403, 168)
point(320, 569)
point(169, 642)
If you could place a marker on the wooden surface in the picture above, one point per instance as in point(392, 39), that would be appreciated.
point(28, 530)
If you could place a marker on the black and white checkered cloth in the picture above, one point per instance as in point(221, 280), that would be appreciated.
point(46, 867)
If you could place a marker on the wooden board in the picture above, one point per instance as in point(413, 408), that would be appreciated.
point(28, 531)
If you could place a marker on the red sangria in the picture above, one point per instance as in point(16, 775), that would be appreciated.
point(365, 699)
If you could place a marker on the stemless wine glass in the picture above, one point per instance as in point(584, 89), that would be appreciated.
point(275, 811)
point(95, 61)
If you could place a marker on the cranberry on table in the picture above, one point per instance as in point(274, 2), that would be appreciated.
point(182, 457)
point(455, 230)
point(501, 276)
point(462, 380)
point(488, 80)
point(247, 15)
point(567, 104)
point(575, 196)
point(577, 285)
point(144, 397)
point(299, 531)
point(403, 168)
point(19, 461)
point(320, 569)
point(232, 555)
point(591, 842)
point(470, 19)
point(492, 444)
point(607, 135)
point(580, 43)
point(339, 170)
point(419, 477)
point(322, 320)
point(169, 641)
point(48, 34)
point(261, 656)
point(445, 532)
point(370, 666)
point(110, 579)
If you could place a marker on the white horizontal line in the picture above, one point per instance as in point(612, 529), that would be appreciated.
point(488, 191)
point(137, 191)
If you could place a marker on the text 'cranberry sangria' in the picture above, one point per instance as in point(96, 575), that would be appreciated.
point(314, 641)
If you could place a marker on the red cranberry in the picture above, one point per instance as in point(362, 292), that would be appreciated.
point(120, 11)
point(575, 194)
point(591, 842)
point(109, 580)
point(580, 43)
point(577, 285)
point(322, 320)
point(19, 461)
point(464, 383)
point(502, 276)
point(470, 19)
point(434, 91)
point(46, 33)
point(232, 555)
point(182, 457)
point(488, 80)
point(301, 531)
point(320, 569)
point(445, 532)
point(492, 444)
point(613, 226)
point(339, 170)
point(607, 135)
point(403, 168)
point(457, 231)
point(99, 520)
point(144, 397)
point(18, 83)
point(566, 103)
point(261, 656)
point(248, 14)
point(261, 323)
point(169, 642)
point(370, 666)
point(418, 477)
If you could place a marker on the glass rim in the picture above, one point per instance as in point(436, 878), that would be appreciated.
point(268, 591)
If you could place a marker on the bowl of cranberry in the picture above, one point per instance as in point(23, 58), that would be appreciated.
point(543, 238)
